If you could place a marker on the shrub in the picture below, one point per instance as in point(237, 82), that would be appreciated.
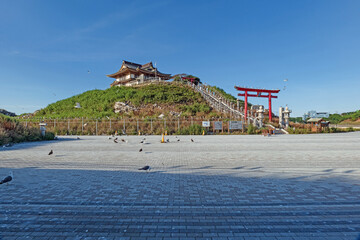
point(192, 130)
point(11, 131)
point(251, 129)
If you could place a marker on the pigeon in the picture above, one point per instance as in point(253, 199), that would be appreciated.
point(123, 140)
point(78, 138)
point(167, 140)
point(142, 141)
point(192, 140)
point(51, 152)
point(115, 141)
point(146, 168)
point(8, 178)
point(110, 138)
point(140, 150)
point(178, 140)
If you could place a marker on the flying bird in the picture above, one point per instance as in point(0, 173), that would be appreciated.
point(146, 168)
point(51, 152)
point(140, 150)
point(8, 178)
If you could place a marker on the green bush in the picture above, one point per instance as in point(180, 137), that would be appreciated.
point(191, 130)
point(251, 129)
point(11, 131)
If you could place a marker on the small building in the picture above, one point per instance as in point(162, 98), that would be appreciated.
point(314, 114)
point(318, 124)
point(133, 74)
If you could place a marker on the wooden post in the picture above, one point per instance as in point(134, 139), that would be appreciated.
point(82, 125)
point(96, 127)
point(178, 124)
point(110, 124)
point(124, 125)
point(151, 127)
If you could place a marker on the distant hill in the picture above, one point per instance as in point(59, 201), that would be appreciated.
point(7, 113)
point(345, 118)
point(169, 99)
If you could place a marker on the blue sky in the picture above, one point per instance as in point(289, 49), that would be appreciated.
point(47, 48)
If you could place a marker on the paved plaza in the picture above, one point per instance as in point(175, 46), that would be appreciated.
point(217, 187)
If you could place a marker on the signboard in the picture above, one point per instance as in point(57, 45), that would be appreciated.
point(217, 125)
point(235, 124)
point(206, 123)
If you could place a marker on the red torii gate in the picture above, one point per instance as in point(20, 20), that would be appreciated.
point(258, 94)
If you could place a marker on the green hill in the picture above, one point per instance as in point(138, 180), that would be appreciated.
point(345, 118)
point(148, 100)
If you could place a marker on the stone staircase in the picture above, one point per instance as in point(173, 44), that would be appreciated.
point(221, 104)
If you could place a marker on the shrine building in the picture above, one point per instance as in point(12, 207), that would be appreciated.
point(132, 74)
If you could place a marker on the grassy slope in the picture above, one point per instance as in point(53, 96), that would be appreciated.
point(100, 103)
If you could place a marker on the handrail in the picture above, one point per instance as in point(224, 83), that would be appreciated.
point(215, 101)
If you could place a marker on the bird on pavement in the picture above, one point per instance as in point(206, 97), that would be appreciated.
point(115, 141)
point(77, 138)
point(51, 152)
point(192, 140)
point(123, 140)
point(142, 141)
point(178, 140)
point(140, 150)
point(8, 178)
point(146, 168)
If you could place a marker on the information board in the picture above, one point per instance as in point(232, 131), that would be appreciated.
point(217, 125)
point(206, 123)
point(235, 125)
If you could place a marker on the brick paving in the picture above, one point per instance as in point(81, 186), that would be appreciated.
point(219, 187)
